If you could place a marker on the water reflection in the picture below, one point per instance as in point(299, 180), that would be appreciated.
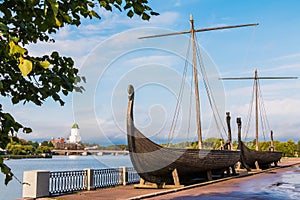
point(289, 185)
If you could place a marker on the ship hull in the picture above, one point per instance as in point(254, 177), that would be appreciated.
point(263, 158)
point(155, 163)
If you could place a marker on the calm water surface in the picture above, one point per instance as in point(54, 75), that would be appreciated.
point(58, 163)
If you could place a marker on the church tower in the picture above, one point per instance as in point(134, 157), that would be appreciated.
point(75, 137)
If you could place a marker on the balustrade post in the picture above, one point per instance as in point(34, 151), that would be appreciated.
point(35, 183)
point(123, 175)
point(89, 179)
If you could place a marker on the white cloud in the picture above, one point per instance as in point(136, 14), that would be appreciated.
point(163, 60)
point(82, 44)
point(287, 57)
point(114, 21)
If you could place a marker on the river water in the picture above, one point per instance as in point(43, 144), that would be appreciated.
point(58, 163)
point(284, 185)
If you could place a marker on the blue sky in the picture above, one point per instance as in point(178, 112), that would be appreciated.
point(109, 54)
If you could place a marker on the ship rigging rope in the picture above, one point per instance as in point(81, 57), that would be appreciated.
point(190, 107)
point(263, 114)
point(265, 126)
point(211, 99)
point(179, 100)
point(249, 114)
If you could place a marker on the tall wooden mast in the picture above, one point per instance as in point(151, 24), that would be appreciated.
point(199, 132)
point(192, 31)
point(256, 78)
point(256, 109)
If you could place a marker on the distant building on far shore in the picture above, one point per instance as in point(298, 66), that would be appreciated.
point(74, 138)
point(73, 142)
point(58, 143)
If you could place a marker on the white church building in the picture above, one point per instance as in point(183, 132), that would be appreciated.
point(74, 137)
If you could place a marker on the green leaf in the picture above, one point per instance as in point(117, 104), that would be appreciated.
point(119, 2)
point(25, 66)
point(154, 13)
point(77, 79)
point(103, 3)
point(45, 64)
point(65, 92)
point(15, 39)
point(94, 14)
point(66, 17)
point(118, 7)
point(130, 13)
point(3, 27)
point(108, 7)
point(128, 5)
point(145, 16)
point(138, 8)
point(15, 100)
point(54, 6)
point(35, 2)
point(1, 85)
point(8, 178)
point(27, 130)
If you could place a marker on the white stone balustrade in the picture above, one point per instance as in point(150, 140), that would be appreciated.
point(40, 183)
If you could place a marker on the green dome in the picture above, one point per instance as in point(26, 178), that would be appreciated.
point(75, 126)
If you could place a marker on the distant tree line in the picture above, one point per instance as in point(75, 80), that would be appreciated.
point(288, 148)
point(108, 147)
point(22, 147)
point(18, 146)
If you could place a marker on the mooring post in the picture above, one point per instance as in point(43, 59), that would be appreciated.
point(36, 184)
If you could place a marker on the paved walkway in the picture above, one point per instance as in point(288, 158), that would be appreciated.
point(230, 186)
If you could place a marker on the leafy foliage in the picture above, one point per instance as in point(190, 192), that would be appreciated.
point(18, 146)
point(27, 78)
point(288, 148)
point(47, 144)
point(43, 149)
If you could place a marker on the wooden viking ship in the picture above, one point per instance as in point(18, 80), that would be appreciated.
point(252, 159)
point(255, 159)
point(164, 165)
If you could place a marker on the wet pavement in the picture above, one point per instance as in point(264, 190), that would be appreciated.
point(268, 184)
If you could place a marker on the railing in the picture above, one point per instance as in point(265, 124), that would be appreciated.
point(133, 176)
point(106, 177)
point(66, 181)
point(56, 183)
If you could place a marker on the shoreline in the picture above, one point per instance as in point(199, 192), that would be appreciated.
point(230, 187)
point(7, 157)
